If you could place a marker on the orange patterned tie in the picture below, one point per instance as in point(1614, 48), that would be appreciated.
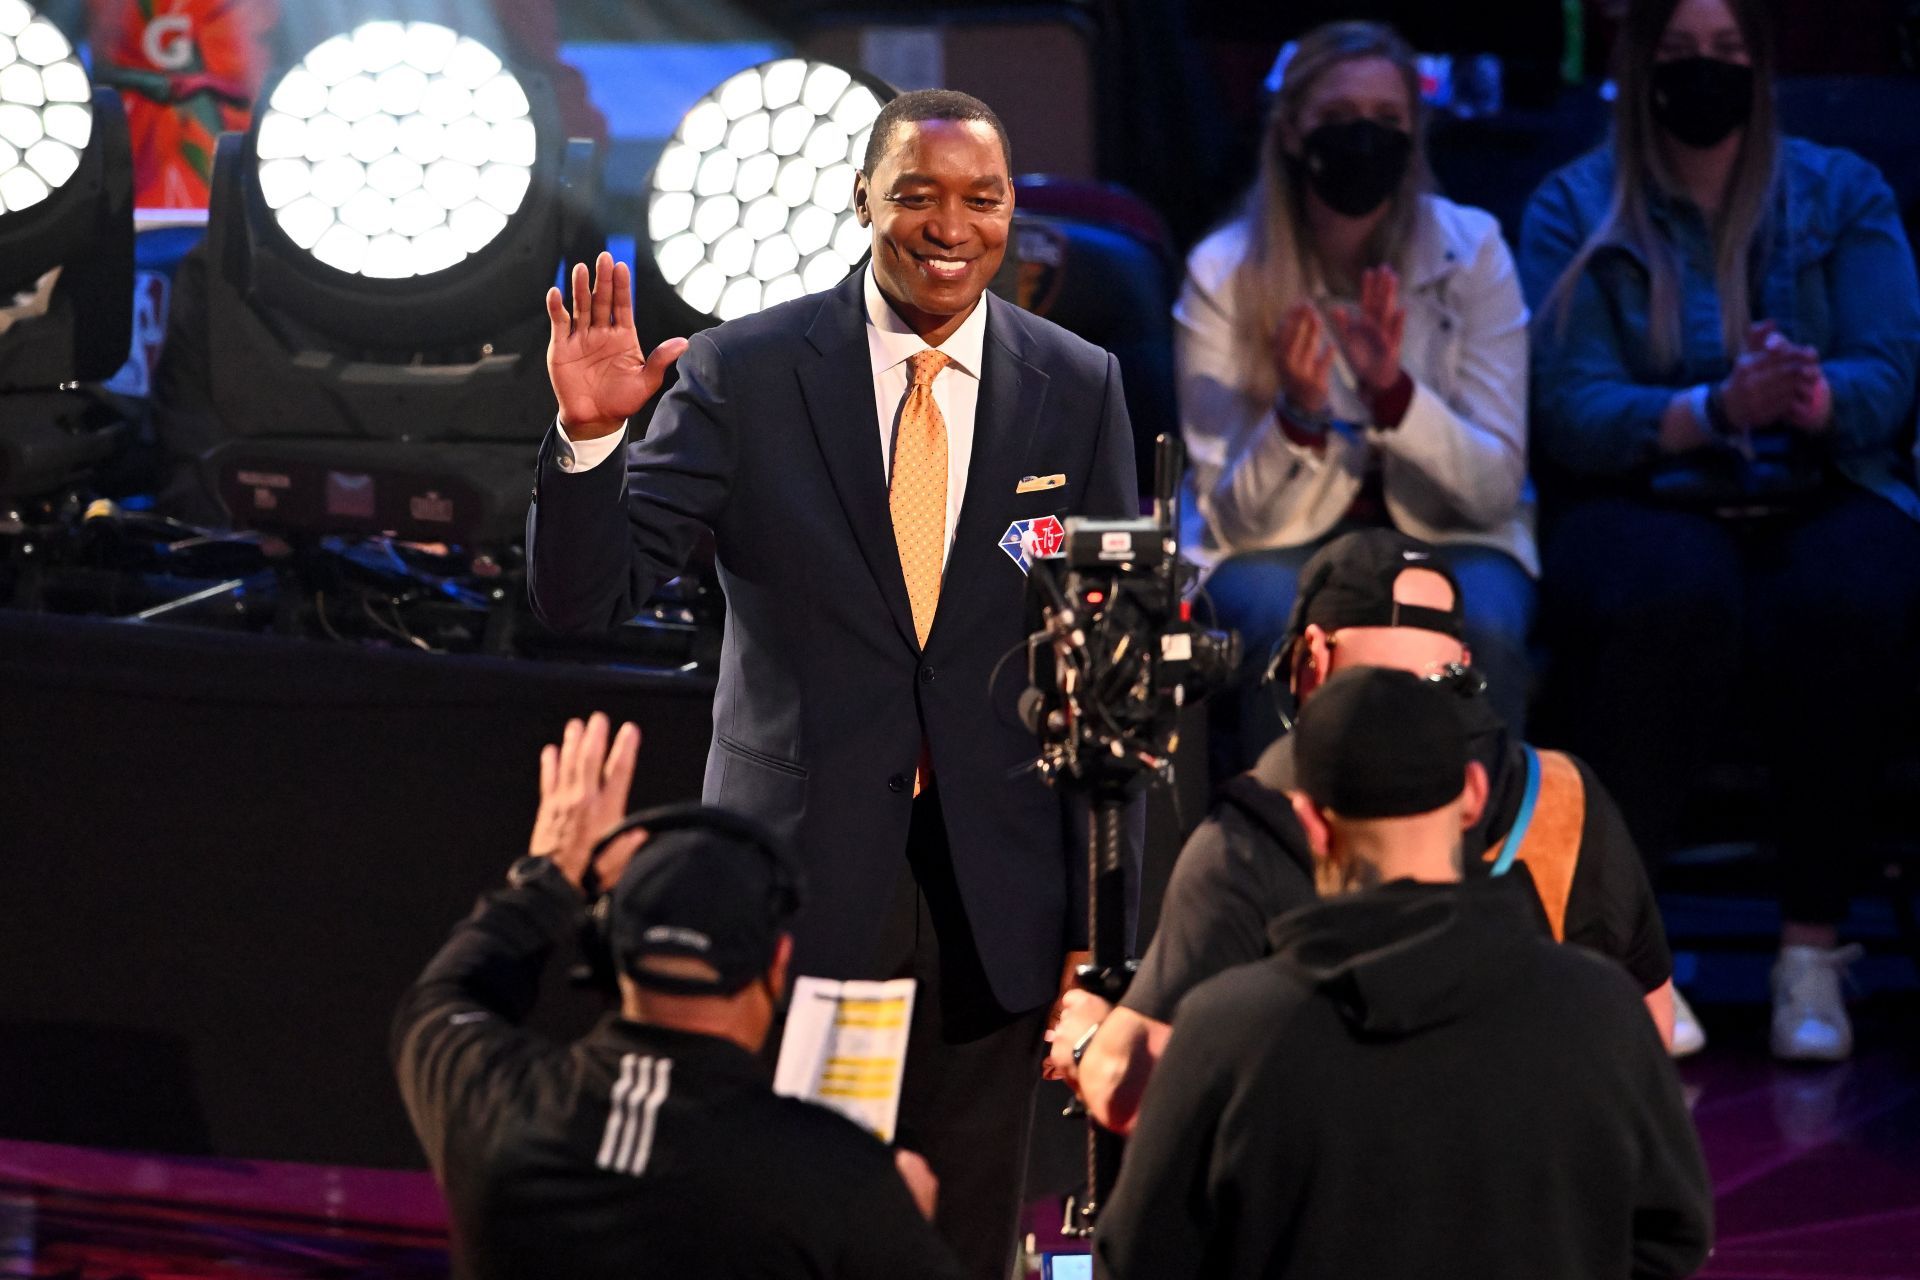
point(917, 495)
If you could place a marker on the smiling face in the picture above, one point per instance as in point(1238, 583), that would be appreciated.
point(940, 204)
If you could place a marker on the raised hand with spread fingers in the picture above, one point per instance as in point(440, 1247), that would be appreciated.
point(599, 375)
point(583, 795)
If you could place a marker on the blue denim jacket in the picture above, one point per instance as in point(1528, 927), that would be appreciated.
point(1838, 276)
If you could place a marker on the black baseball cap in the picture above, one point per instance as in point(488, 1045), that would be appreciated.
point(721, 894)
point(1377, 742)
point(1349, 583)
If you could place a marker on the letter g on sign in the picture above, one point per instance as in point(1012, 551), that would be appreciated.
point(168, 42)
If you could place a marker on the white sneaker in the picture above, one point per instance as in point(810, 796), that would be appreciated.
point(1689, 1036)
point(1810, 1021)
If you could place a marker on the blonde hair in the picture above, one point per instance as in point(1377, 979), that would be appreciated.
point(1638, 170)
point(1272, 275)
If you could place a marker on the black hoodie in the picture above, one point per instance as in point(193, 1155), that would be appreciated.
point(1417, 1083)
point(1249, 863)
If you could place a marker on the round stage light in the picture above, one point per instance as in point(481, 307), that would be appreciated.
point(751, 203)
point(398, 150)
point(46, 108)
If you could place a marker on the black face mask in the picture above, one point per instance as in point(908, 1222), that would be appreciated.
point(1356, 165)
point(1701, 100)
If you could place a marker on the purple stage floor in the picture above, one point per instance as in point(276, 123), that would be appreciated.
point(1816, 1170)
point(78, 1214)
point(1817, 1173)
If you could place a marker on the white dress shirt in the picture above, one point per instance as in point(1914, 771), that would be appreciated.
point(890, 342)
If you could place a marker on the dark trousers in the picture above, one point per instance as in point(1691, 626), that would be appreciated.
point(1664, 624)
point(1252, 593)
point(967, 1102)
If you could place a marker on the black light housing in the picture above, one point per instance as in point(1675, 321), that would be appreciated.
point(85, 228)
point(79, 332)
point(354, 403)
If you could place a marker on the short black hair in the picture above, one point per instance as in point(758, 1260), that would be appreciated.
point(930, 104)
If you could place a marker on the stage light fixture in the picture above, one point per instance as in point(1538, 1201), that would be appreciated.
point(402, 192)
point(46, 108)
point(66, 255)
point(377, 247)
point(399, 150)
point(751, 202)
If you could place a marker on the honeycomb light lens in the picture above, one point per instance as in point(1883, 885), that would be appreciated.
point(398, 150)
point(46, 108)
point(751, 203)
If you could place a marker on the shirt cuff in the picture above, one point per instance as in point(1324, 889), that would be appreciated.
point(1301, 433)
point(1390, 406)
point(574, 457)
point(1699, 404)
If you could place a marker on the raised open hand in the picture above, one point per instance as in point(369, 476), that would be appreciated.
point(599, 376)
point(583, 795)
point(1305, 358)
point(1370, 334)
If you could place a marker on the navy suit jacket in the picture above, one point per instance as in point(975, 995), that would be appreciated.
point(770, 439)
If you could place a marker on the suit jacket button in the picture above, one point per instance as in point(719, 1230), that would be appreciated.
point(926, 675)
point(898, 782)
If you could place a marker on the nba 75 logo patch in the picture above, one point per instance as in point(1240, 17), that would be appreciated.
point(1030, 540)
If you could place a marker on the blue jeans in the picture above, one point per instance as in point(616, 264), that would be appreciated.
point(1677, 634)
point(1252, 593)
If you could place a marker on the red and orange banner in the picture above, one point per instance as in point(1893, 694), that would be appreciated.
point(188, 70)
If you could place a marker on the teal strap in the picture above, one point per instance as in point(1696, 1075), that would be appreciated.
point(1510, 847)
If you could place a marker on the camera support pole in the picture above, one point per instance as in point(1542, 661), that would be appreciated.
point(1106, 976)
point(1109, 752)
point(1112, 788)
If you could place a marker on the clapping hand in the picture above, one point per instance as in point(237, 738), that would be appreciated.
point(1812, 406)
point(1776, 380)
point(593, 354)
point(1370, 334)
point(583, 795)
point(1304, 357)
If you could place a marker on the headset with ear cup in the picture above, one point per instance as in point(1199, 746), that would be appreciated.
point(1281, 676)
point(1282, 679)
point(1278, 677)
point(596, 938)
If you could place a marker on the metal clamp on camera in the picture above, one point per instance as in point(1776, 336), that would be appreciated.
point(1115, 659)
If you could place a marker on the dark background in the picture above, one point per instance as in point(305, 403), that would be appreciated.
point(225, 856)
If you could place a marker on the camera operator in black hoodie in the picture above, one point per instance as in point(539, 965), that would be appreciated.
point(1417, 1082)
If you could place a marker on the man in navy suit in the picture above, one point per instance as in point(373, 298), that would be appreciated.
point(866, 710)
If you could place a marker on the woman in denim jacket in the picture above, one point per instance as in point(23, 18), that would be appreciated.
point(1727, 330)
point(1353, 350)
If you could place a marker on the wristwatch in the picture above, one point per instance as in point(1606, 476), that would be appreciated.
point(1086, 1038)
point(529, 868)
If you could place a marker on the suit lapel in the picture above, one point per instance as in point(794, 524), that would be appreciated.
point(838, 388)
point(1012, 393)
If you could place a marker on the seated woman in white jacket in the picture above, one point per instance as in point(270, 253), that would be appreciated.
point(1352, 350)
